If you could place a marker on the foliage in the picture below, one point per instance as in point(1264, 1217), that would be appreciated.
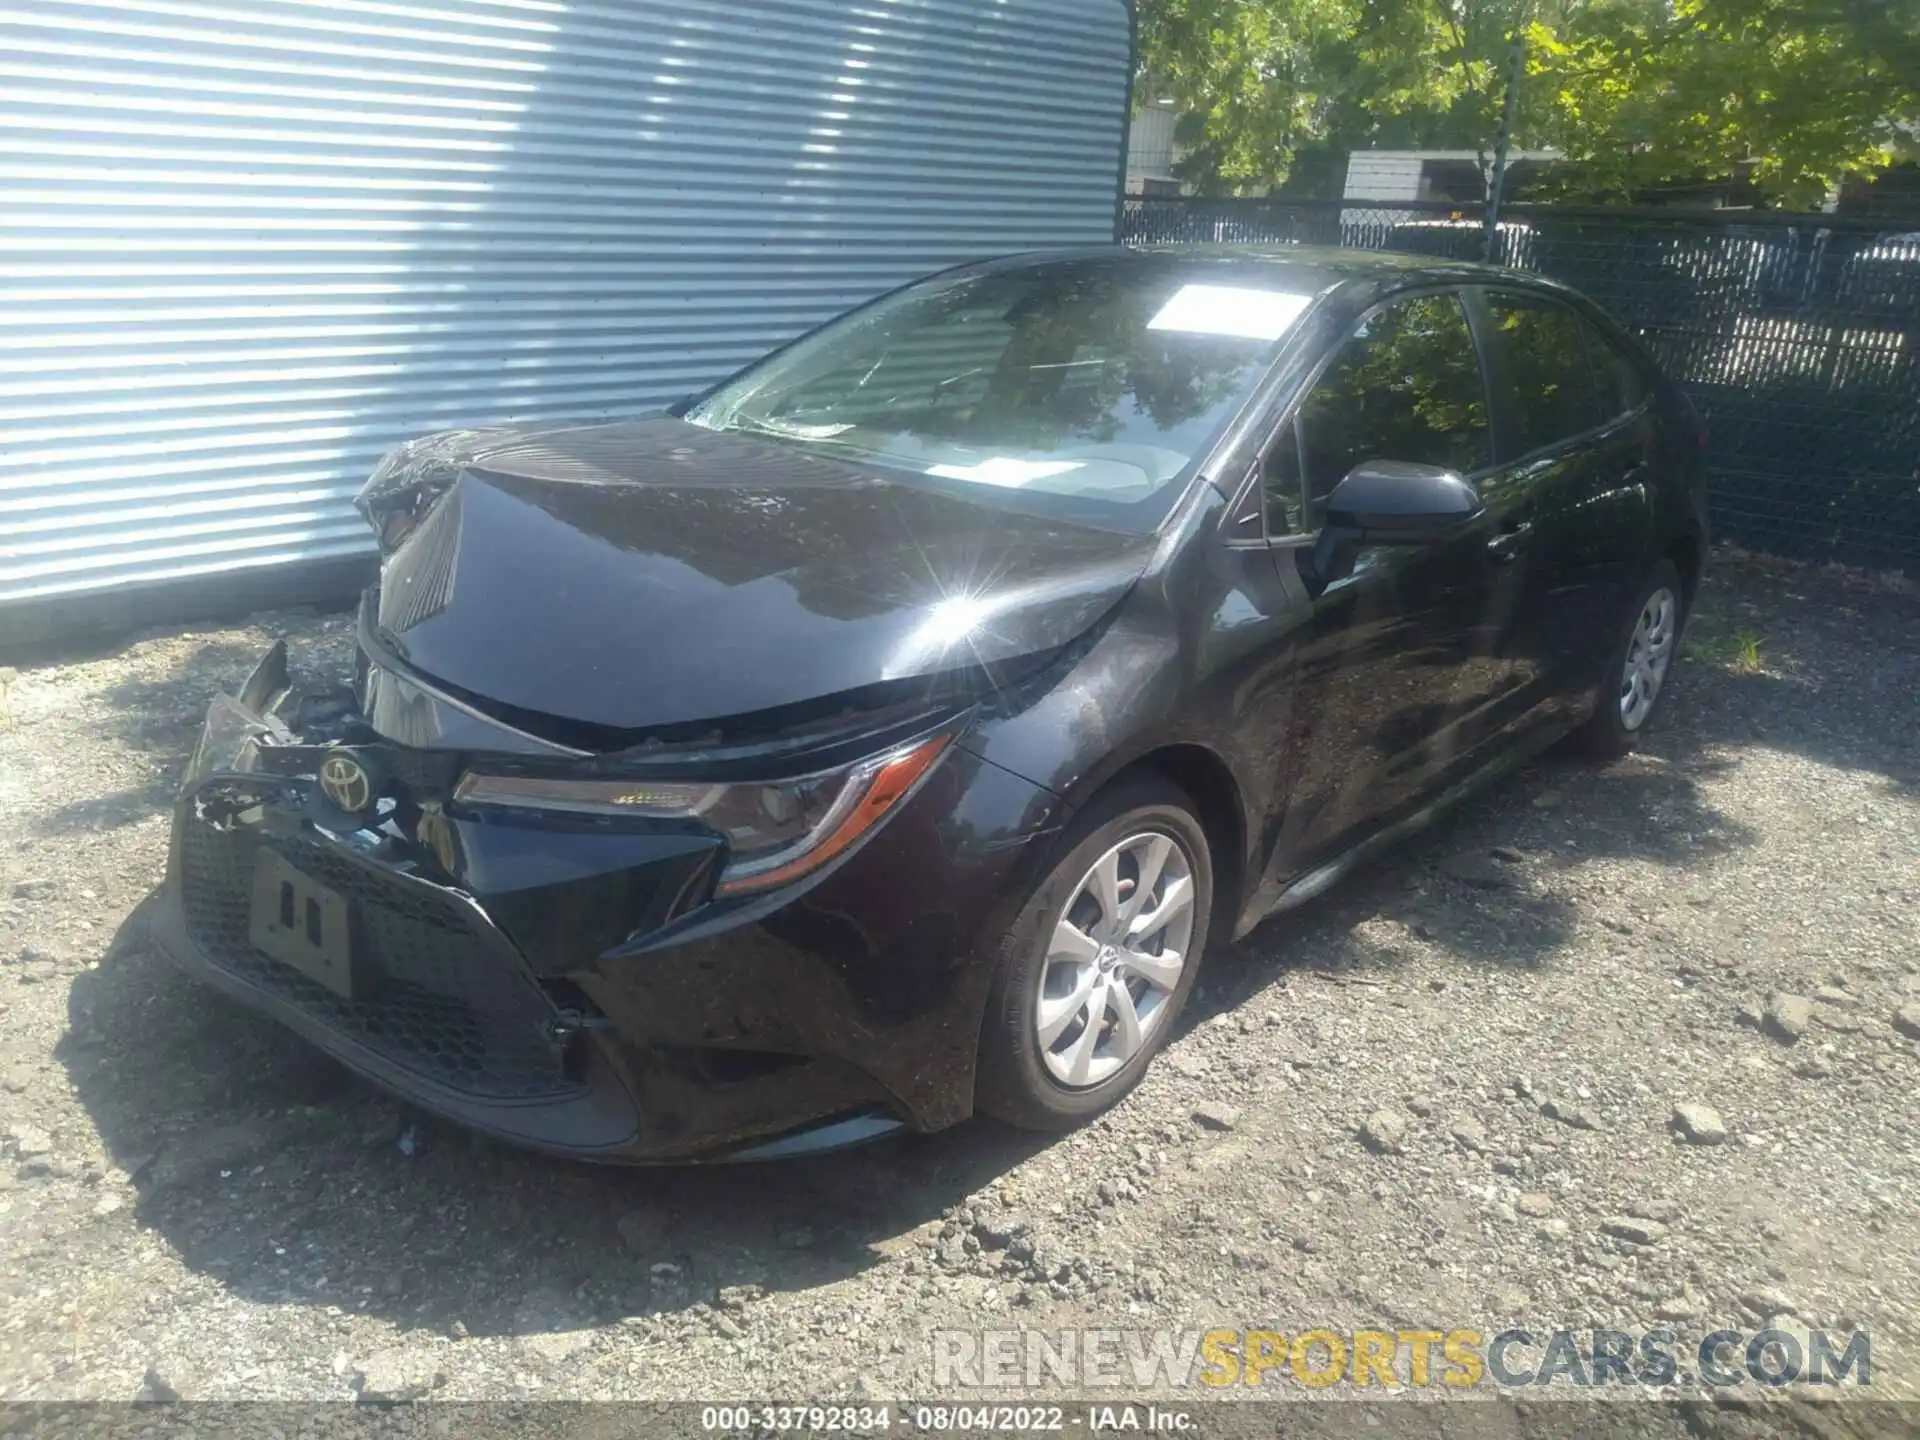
point(1802, 88)
point(1642, 92)
point(1712, 644)
point(1253, 79)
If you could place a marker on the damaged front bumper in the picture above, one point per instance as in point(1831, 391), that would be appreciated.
point(566, 984)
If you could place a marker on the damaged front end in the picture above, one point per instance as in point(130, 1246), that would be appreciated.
point(650, 826)
point(411, 476)
point(646, 584)
point(457, 952)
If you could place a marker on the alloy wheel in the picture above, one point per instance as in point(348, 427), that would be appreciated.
point(1115, 958)
point(1648, 655)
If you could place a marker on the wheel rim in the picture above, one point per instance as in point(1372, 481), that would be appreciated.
point(1115, 959)
point(1648, 655)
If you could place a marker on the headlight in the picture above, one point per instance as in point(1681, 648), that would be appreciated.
point(775, 832)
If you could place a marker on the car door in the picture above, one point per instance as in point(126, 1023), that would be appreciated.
point(1400, 658)
point(1609, 542)
point(1567, 486)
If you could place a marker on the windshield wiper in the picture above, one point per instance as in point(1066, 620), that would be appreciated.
point(773, 430)
point(810, 433)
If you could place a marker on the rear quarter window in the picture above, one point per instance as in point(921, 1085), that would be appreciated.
point(1622, 384)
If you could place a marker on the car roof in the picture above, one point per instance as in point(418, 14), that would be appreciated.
point(1360, 275)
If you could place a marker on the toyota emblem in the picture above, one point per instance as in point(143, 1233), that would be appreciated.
point(345, 782)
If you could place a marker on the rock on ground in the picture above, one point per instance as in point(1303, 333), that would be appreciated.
point(1699, 1124)
point(1214, 1116)
point(398, 1373)
point(1629, 1227)
point(1385, 1132)
point(1788, 1016)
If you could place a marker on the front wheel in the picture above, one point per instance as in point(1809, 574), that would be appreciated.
point(1097, 966)
point(1637, 665)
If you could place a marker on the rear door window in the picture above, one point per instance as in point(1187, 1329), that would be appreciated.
point(1550, 386)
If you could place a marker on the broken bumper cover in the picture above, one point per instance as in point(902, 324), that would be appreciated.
point(567, 986)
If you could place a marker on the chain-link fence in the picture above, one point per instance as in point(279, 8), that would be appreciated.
point(1798, 336)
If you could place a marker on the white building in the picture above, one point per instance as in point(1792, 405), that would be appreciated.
point(1152, 150)
point(1426, 174)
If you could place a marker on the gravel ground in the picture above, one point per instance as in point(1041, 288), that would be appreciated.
point(1442, 1095)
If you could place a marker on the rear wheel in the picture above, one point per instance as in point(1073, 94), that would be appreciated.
point(1097, 966)
point(1638, 665)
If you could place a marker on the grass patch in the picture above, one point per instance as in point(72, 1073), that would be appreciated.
point(1741, 651)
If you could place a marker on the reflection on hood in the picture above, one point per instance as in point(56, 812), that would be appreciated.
point(715, 576)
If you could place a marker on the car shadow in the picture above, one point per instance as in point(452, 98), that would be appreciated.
point(270, 1168)
point(1814, 664)
point(1494, 883)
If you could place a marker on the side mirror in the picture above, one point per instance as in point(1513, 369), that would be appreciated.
point(1390, 502)
point(1385, 502)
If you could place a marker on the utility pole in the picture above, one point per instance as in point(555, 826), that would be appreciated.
point(1497, 182)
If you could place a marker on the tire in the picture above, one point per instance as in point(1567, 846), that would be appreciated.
point(1617, 724)
point(1035, 1082)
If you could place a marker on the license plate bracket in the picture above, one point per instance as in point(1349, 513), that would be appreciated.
point(302, 923)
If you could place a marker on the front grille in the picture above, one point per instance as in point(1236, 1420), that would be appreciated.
point(422, 774)
point(439, 1000)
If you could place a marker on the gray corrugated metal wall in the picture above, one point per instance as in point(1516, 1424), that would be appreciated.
point(246, 245)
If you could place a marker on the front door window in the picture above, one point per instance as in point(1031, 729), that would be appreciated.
point(1405, 386)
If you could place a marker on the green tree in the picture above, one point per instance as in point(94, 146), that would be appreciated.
point(1253, 79)
point(1641, 92)
point(1802, 91)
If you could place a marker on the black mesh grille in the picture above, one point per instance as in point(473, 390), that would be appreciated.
point(426, 774)
point(437, 999)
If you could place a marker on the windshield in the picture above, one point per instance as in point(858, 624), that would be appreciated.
point(1091, 382)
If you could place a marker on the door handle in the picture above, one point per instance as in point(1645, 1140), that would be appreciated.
point(1510, 541)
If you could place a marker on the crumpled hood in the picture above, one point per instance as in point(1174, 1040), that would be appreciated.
point(650, 575)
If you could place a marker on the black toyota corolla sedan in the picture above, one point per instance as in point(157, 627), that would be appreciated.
point(891, 732)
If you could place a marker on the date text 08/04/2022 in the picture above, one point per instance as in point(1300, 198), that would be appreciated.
point(939, 1419)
